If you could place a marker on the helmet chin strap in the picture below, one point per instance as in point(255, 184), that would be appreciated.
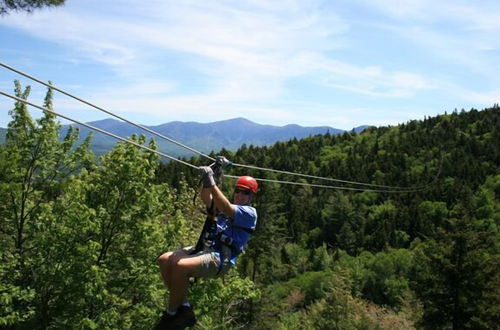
point(248, 202)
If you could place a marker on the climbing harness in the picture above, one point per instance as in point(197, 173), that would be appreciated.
point(211, 235)
point(206, 238)
point(229, 241)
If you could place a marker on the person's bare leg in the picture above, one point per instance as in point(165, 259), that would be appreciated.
point(179, 279)
point(163, 262)
point(167, 261)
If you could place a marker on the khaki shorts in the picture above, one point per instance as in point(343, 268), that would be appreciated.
point(210, 262)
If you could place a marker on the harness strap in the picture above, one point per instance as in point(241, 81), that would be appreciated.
point(208, 229)
point(228, 241)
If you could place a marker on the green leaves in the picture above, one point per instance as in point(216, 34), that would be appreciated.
point(28, 6)
point(458, 269)
point(79, 240)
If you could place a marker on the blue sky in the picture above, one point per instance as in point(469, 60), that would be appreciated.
point(336, 63)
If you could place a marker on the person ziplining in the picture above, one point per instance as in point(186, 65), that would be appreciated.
point(227, 229)
point(228, 226)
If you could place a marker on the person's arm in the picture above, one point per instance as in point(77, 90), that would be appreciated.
point(206, 196)
point(221, 202)
point(211, 191)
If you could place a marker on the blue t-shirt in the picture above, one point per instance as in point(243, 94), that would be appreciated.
point(245, 217)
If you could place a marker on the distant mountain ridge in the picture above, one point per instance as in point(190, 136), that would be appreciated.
point(230, 134)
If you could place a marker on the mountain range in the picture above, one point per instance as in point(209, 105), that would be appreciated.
point(205, 137)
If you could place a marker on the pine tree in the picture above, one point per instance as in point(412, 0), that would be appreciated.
point(455, 272)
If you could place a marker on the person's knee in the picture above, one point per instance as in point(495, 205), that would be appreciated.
point(170, 260)
point(164, 259)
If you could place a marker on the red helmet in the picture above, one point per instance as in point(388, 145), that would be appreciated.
point(247, 182)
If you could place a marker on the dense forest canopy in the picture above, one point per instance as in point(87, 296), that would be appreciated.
point(80, 236)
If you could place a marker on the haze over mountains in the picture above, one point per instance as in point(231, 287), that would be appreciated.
point(205, 137)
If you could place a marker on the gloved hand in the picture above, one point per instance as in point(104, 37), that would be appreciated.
point(207, 176)
point(222, 161)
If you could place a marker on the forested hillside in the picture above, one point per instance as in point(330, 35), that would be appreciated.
point(80, 238)
point(334, 259)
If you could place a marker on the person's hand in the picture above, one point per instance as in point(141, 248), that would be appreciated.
point(222, 161)
point(208, 176)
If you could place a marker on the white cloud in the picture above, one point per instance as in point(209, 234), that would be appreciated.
point(477, 14)
point(248, 53)
point(242, 55)
point(483, 98)
point(86, 34)
point(371, 80)
point(466, 33)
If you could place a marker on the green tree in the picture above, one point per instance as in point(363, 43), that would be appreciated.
point(457, 273)
point(454, 219)
point(118, 281)
point(381, 226)
point(7, 6)
point(261, 261)
point(35, 168)
point(79, 240)
point(337, 218)
point(382, 278)
point(430, 216)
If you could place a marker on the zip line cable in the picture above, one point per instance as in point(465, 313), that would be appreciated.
point(402, 190)
point(105, 111)
point(98, 129)
point(385, 187)
point(337, 187)
point(395, 188)
point(188, 164)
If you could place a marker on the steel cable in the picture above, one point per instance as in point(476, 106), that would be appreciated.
point(396, 188)
point(385, 188)
point(193, 166)
point(98, 129)
point(105, 111)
